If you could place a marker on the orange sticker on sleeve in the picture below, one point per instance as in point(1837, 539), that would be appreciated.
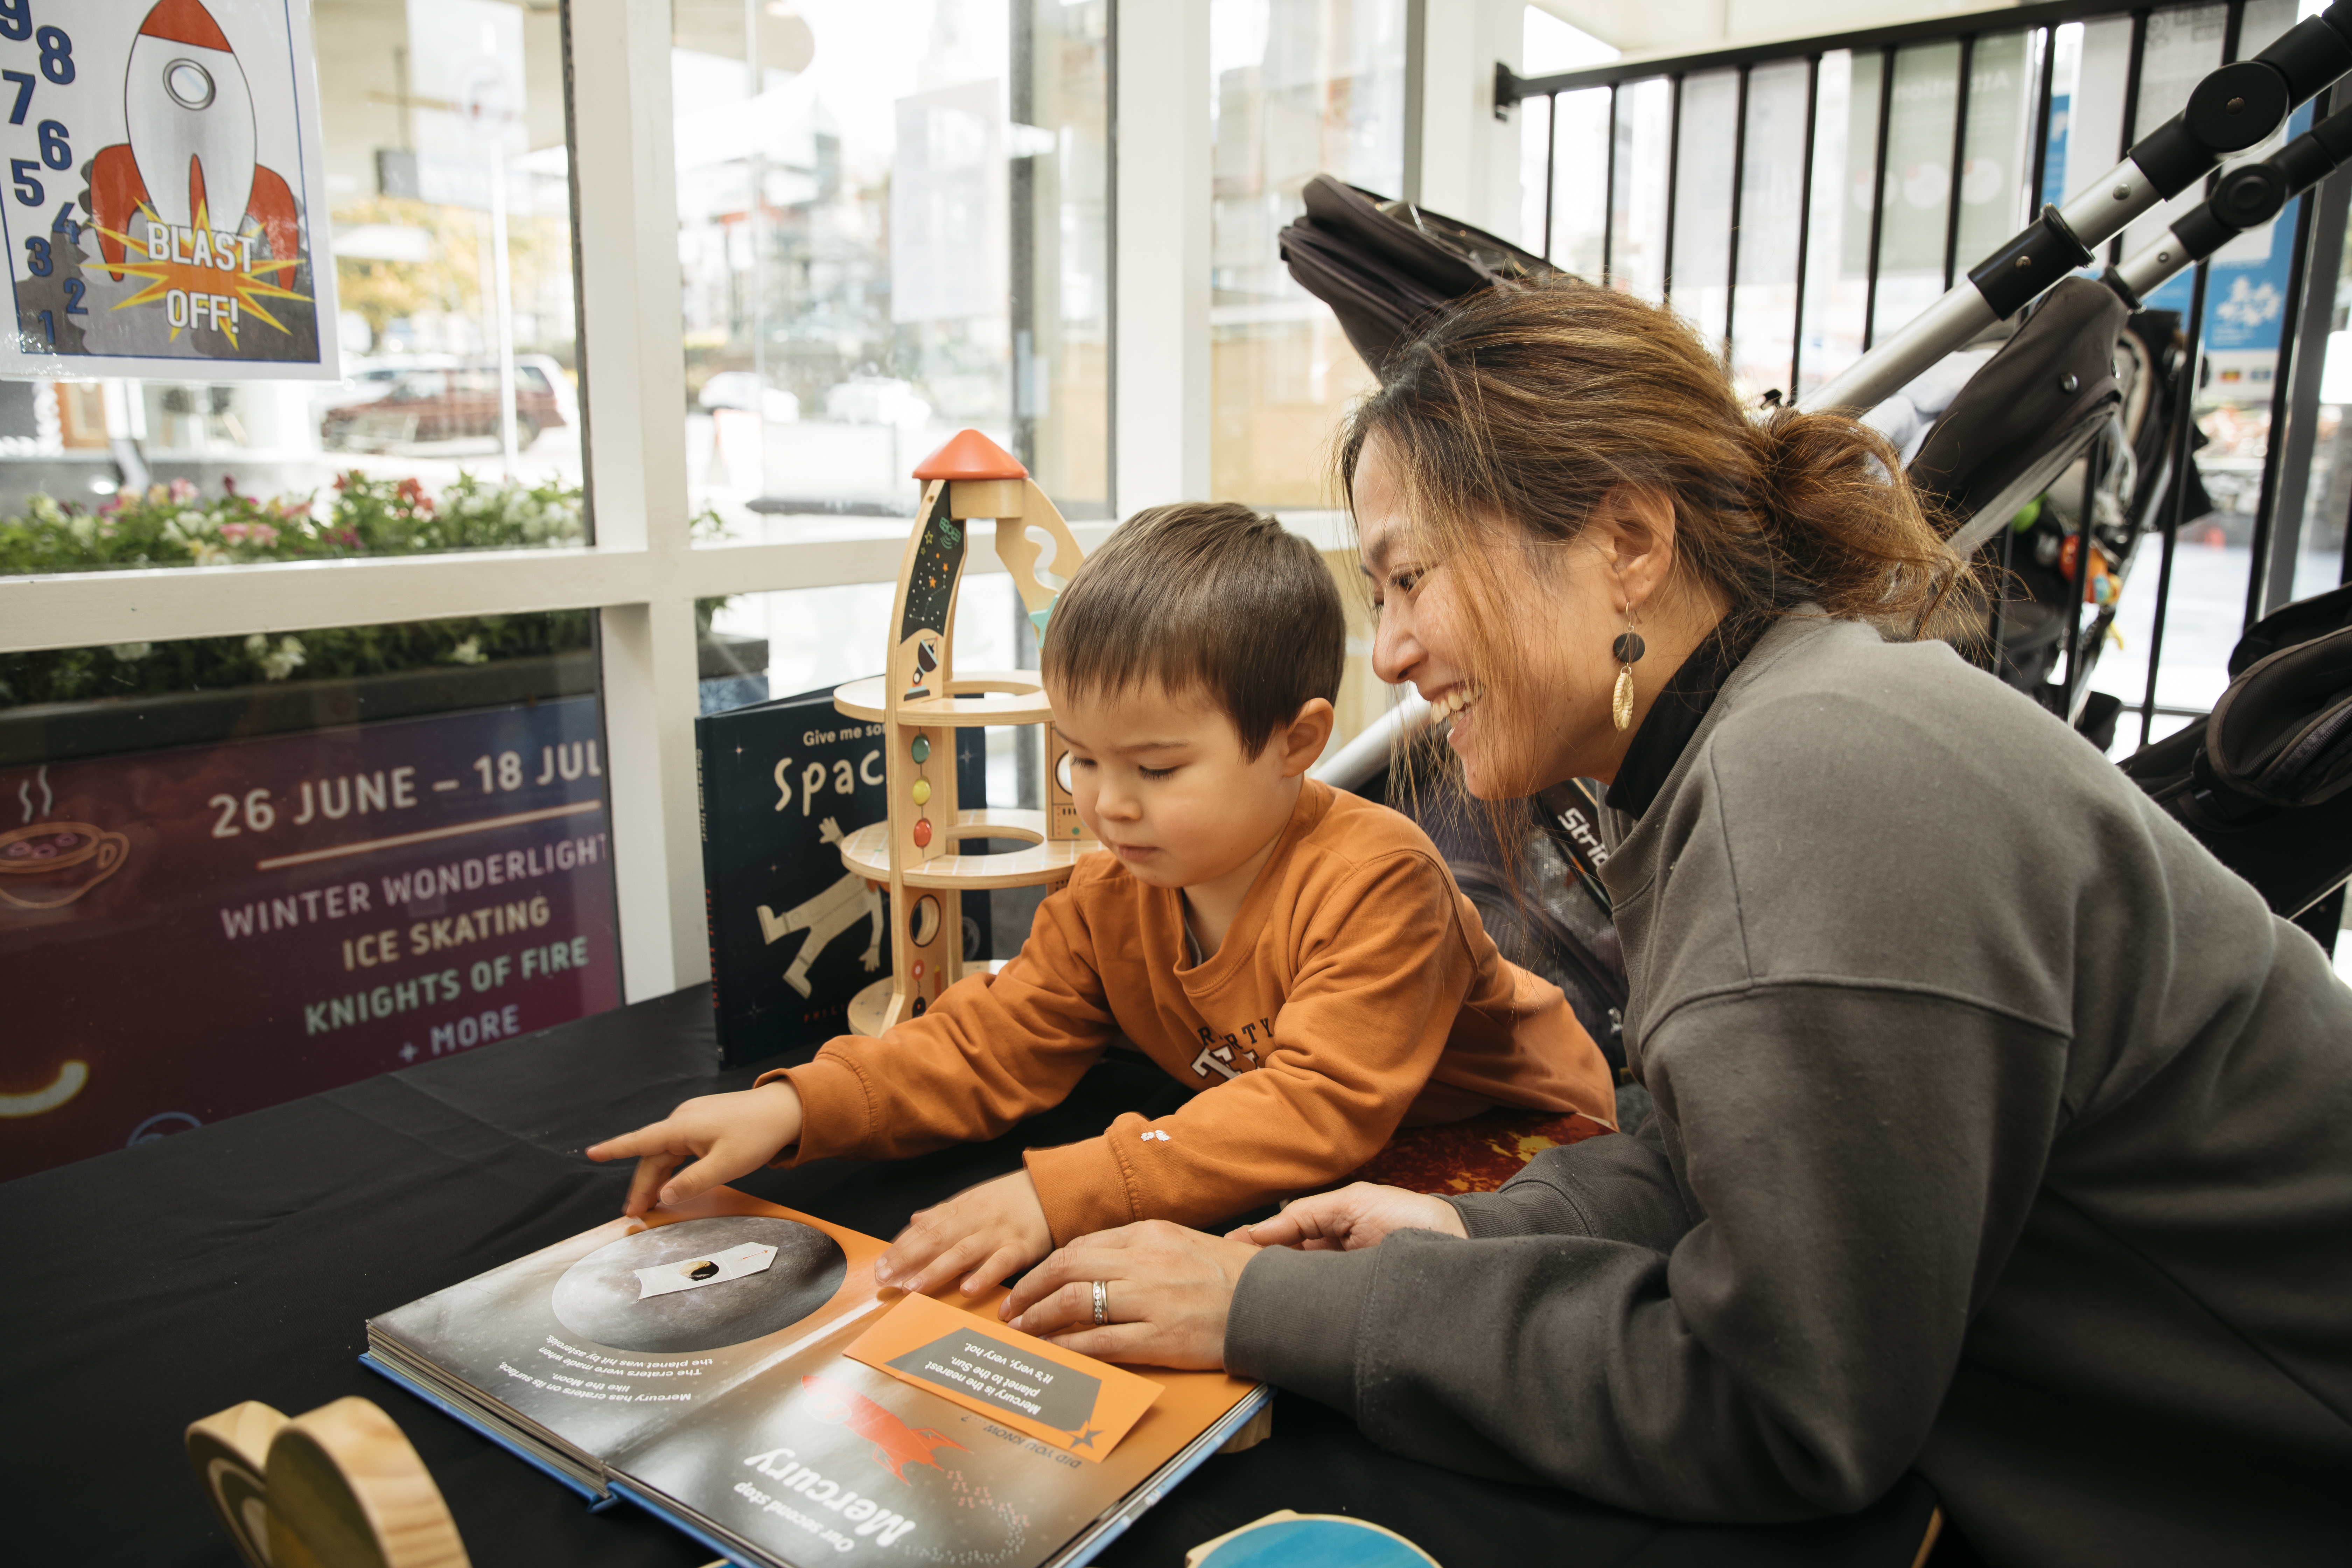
point(1078, 1404)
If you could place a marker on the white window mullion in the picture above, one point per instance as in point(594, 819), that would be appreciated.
point(88, 609)
point(1162, 404)
point(94, 609)
point(634, 382)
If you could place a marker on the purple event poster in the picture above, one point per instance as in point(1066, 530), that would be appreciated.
point(188, 935)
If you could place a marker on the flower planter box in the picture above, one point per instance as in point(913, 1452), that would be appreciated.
point(65, 732)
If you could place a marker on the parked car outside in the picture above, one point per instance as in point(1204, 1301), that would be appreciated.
point(365, 379)
point(875, 400)
point(559, 380)
point(441, 405)
point(741, 389)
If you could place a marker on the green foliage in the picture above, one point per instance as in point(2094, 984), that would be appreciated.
point(175, 525)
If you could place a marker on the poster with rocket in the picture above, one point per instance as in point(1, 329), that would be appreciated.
point(162, 191)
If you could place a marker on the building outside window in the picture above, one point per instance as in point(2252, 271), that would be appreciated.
point(1299, 88)
point(240, 869)
point(330, 851)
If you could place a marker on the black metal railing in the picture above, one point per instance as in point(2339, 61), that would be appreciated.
point(2318, 222)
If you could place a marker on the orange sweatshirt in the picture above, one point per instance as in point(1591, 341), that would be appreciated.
point(1354, 975)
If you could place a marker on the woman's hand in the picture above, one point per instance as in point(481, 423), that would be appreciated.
point(994, 1229)
point(1355, 1217)
point(725, 1135)
point(1169, 1290)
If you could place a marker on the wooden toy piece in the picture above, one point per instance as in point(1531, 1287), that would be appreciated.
point(1020, 554)
point(867, 852)
point(983, 697)
point(338, 1487)
point(921, 701)
point(968, 455)
point(1258, 1428)
point(346, 1490)
point(920, 759)
point(230, 1452)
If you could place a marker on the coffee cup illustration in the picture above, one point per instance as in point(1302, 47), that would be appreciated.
point(49, 865)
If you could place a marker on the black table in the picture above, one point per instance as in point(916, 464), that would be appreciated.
point(163, 1282)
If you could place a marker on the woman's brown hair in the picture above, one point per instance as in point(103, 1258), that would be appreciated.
point(1524, 407)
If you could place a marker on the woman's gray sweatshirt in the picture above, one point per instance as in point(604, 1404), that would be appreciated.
point(2000, 1132)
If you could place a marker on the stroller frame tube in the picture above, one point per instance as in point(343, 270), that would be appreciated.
point(2237, 105)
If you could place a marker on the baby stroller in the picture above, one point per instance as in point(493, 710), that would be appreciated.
point(2049, 448)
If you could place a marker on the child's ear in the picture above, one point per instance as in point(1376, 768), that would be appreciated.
point(1302, 741)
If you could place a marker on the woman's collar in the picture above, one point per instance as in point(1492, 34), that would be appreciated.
point(1676, 716)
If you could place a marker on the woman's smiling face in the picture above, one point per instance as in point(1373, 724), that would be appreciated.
point(1534, 710)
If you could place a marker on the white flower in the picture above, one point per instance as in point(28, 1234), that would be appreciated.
point(466, 652)
point(277, 665)
point(131, 652)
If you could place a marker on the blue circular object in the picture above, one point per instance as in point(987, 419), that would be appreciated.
point(1313, 1540)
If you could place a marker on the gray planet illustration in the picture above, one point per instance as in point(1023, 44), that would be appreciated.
point(598, 1298)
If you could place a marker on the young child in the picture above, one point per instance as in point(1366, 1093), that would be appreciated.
point(1298, 957)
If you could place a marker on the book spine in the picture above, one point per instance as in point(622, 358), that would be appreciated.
point(710, 875)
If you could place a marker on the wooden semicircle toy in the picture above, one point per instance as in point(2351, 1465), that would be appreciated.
point(336, 1487)
point(921, 701)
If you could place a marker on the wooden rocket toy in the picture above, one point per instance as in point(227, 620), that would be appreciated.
point(921, 701)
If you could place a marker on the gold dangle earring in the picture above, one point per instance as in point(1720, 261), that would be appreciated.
point(1629, 649)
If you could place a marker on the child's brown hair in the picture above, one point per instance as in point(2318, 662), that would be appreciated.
point(1206, 598)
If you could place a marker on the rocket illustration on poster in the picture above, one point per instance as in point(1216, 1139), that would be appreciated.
point(164, 191)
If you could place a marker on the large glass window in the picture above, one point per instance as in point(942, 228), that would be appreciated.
point(221, 888)
point(2206, 609)
point(893, 224)
point(448, 213)
point(1573, 205)
point(2237, 383)
point(1301, 87)
point(239, 869)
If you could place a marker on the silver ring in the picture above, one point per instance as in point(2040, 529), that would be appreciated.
point(1102, 1303)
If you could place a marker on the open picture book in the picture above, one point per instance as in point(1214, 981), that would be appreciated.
point(732, 1366)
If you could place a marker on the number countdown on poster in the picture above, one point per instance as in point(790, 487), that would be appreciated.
point(163, 186)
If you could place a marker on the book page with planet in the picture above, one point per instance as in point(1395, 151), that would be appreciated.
point(704, 1366)
point(164, 191)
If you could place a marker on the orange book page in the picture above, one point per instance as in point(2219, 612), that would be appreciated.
point(1076, 1403)
point(1189, 1402)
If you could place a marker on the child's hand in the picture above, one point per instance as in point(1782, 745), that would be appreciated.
point(1357, 1215)
point(993, 1230)
point(727, 1135)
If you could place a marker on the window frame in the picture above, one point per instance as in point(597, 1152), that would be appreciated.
point(643, 573)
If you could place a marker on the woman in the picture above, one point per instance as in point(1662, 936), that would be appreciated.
point(1999, 1132)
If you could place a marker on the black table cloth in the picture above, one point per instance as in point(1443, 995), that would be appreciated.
point(158, 1284)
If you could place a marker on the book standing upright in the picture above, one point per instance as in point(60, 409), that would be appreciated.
point(794, 934)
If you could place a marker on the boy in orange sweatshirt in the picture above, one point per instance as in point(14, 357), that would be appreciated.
point(1298, 957)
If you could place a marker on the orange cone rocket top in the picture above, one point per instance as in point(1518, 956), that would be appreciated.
point(968, 455)
point(184, 22)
